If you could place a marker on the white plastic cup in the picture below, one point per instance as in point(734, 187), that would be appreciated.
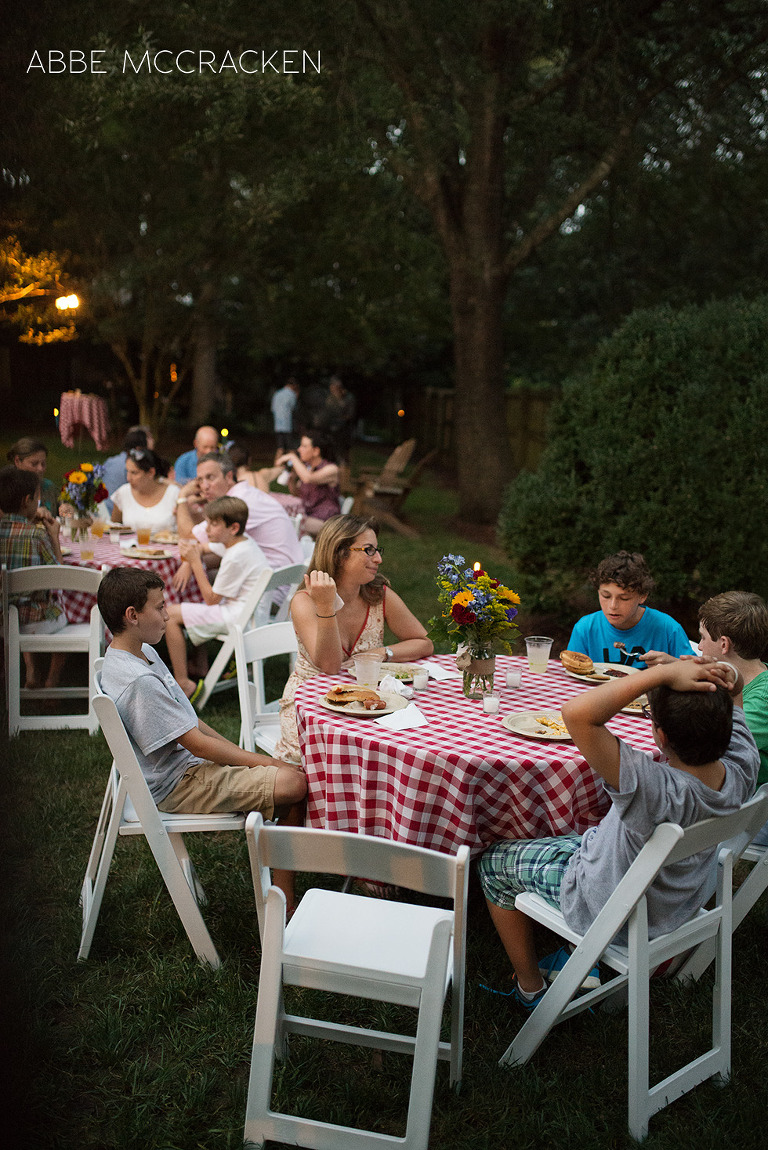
point(537, 649)
point(491, 702)
point(513, 677)
point(420, 679)
point(367, 669)
point(114, 537)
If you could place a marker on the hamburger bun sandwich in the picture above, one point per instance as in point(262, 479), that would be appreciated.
point(577, 662)
point(344, 694)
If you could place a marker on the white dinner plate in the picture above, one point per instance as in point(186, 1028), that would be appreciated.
point(358, 711)
point(165, 537)
point(527, 723)
point(599, 675)
point(147, 553)
point(123, 528)
point(636, 706)
point(403, 672)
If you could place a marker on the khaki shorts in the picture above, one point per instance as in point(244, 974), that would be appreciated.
point(210, 789)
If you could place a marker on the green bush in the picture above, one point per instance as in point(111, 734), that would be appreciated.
point(660, 446)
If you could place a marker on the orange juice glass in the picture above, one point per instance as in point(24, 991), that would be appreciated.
point(86, 551)
point(142, 536)
point(97, 528)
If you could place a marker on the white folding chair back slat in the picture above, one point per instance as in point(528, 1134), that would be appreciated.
point(634, 963)
point(256, 610)
point(259, 719)
point(343, 943)
point(225, 652)
point(129, 809)
point(85, 638)
point(746, 896)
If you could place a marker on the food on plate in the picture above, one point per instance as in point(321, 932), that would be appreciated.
point(577, 662)
point(555, 726)
point(368, 699)
point(636, 706)
point(165, 536)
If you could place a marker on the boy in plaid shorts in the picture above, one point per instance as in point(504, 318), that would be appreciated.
point(711, 769)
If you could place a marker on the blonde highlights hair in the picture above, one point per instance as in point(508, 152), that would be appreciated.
point(333, 544)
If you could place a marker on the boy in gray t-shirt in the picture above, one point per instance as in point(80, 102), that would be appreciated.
point(189, 767)
point(711, 769)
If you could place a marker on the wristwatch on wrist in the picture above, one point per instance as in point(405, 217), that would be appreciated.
point(389, 653)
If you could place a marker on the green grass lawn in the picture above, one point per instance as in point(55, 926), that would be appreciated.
point(142, 1048)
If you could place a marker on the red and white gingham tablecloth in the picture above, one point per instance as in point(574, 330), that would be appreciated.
point(89, 410)
point(77, 604)
point(463, 778)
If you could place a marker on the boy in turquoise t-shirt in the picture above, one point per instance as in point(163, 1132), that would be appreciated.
point(624, 628)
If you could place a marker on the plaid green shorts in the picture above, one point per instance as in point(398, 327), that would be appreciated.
point(512, 866)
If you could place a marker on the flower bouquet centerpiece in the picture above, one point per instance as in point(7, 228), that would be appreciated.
point(83, 490)
point(477, 618)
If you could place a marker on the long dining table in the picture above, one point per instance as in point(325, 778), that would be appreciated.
point(462, 778)
point(77, 605)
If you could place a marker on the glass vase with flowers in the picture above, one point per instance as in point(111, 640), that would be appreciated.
point(83, 491)
point(477, 619)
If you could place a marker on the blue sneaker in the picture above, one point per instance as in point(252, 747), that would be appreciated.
point(527, 1004)
point(551, 966)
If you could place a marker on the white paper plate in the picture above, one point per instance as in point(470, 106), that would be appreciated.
point(526, 723)
point(599, 676)
point(357, 710)
point(66, 550)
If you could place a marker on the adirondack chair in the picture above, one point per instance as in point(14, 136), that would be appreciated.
point(392, 469)
point(385, 498)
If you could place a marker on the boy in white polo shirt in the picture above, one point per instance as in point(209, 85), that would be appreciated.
point(240, 566)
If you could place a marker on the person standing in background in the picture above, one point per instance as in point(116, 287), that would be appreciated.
point(338, 418)
point(283, 403)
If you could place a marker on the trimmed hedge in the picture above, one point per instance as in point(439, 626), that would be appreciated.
point(660, 446)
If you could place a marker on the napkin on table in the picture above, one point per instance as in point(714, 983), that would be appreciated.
point(439, 673)
point(389, 685)
point(410, 716)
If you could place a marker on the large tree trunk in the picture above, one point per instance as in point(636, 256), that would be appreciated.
point(480, 426)
point(203, 375)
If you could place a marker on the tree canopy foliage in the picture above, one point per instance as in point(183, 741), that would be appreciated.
point(505, 171)
point(29, 286)
point(660, 446)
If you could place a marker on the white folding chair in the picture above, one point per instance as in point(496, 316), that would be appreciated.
point(80, 637)
point(347, 944)
point(745, 897)
point(347, 504)
point(289, 577)
point(260, 720)
point(219, 665)
point(635, 962)
point(129, 809)
point(256, 608)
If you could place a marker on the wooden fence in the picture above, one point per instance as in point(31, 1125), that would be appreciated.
point(527, 413)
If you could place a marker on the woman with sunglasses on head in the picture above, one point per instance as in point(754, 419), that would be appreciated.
point(341, 611)
point(146, 500)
